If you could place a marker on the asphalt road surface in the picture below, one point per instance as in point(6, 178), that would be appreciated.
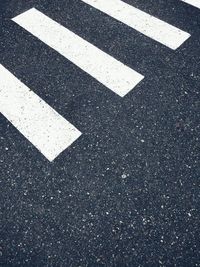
point(99, 133)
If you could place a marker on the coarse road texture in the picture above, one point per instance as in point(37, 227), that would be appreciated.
point(99, 133)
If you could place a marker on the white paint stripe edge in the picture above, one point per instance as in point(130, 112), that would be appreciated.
point(48, 131)
point(150, 26)
point(195, 3)
point(106, 69)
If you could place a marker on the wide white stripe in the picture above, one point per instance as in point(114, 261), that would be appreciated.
point(195, 3)
point(107, 70)
point(150, 26)
point(34, 118)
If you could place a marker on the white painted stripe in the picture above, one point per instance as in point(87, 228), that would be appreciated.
point(195, 3)
point(48, 131)
point(107, 70)
point(150, 26)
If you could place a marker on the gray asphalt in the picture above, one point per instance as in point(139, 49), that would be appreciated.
point(126, 193)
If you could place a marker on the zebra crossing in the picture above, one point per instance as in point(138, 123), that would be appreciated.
point(35, 119)
point(110, 72)
point(48, 131)
point(150, 26)
point(195, 3)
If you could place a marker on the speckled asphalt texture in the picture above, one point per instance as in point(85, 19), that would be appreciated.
point(126, 193)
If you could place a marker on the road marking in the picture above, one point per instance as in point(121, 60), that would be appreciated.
point(150, 26)
point(195, 3)
point(106, 69)
point(48, 131)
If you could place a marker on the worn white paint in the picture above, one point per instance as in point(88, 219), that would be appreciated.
point(106, 69)
point(195, 3)
point(48, 131)
point(150, 26)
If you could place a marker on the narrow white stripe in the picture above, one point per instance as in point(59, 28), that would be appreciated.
point(150, 26)
point(195, 3)
point(107, 70)
point(49, 132)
